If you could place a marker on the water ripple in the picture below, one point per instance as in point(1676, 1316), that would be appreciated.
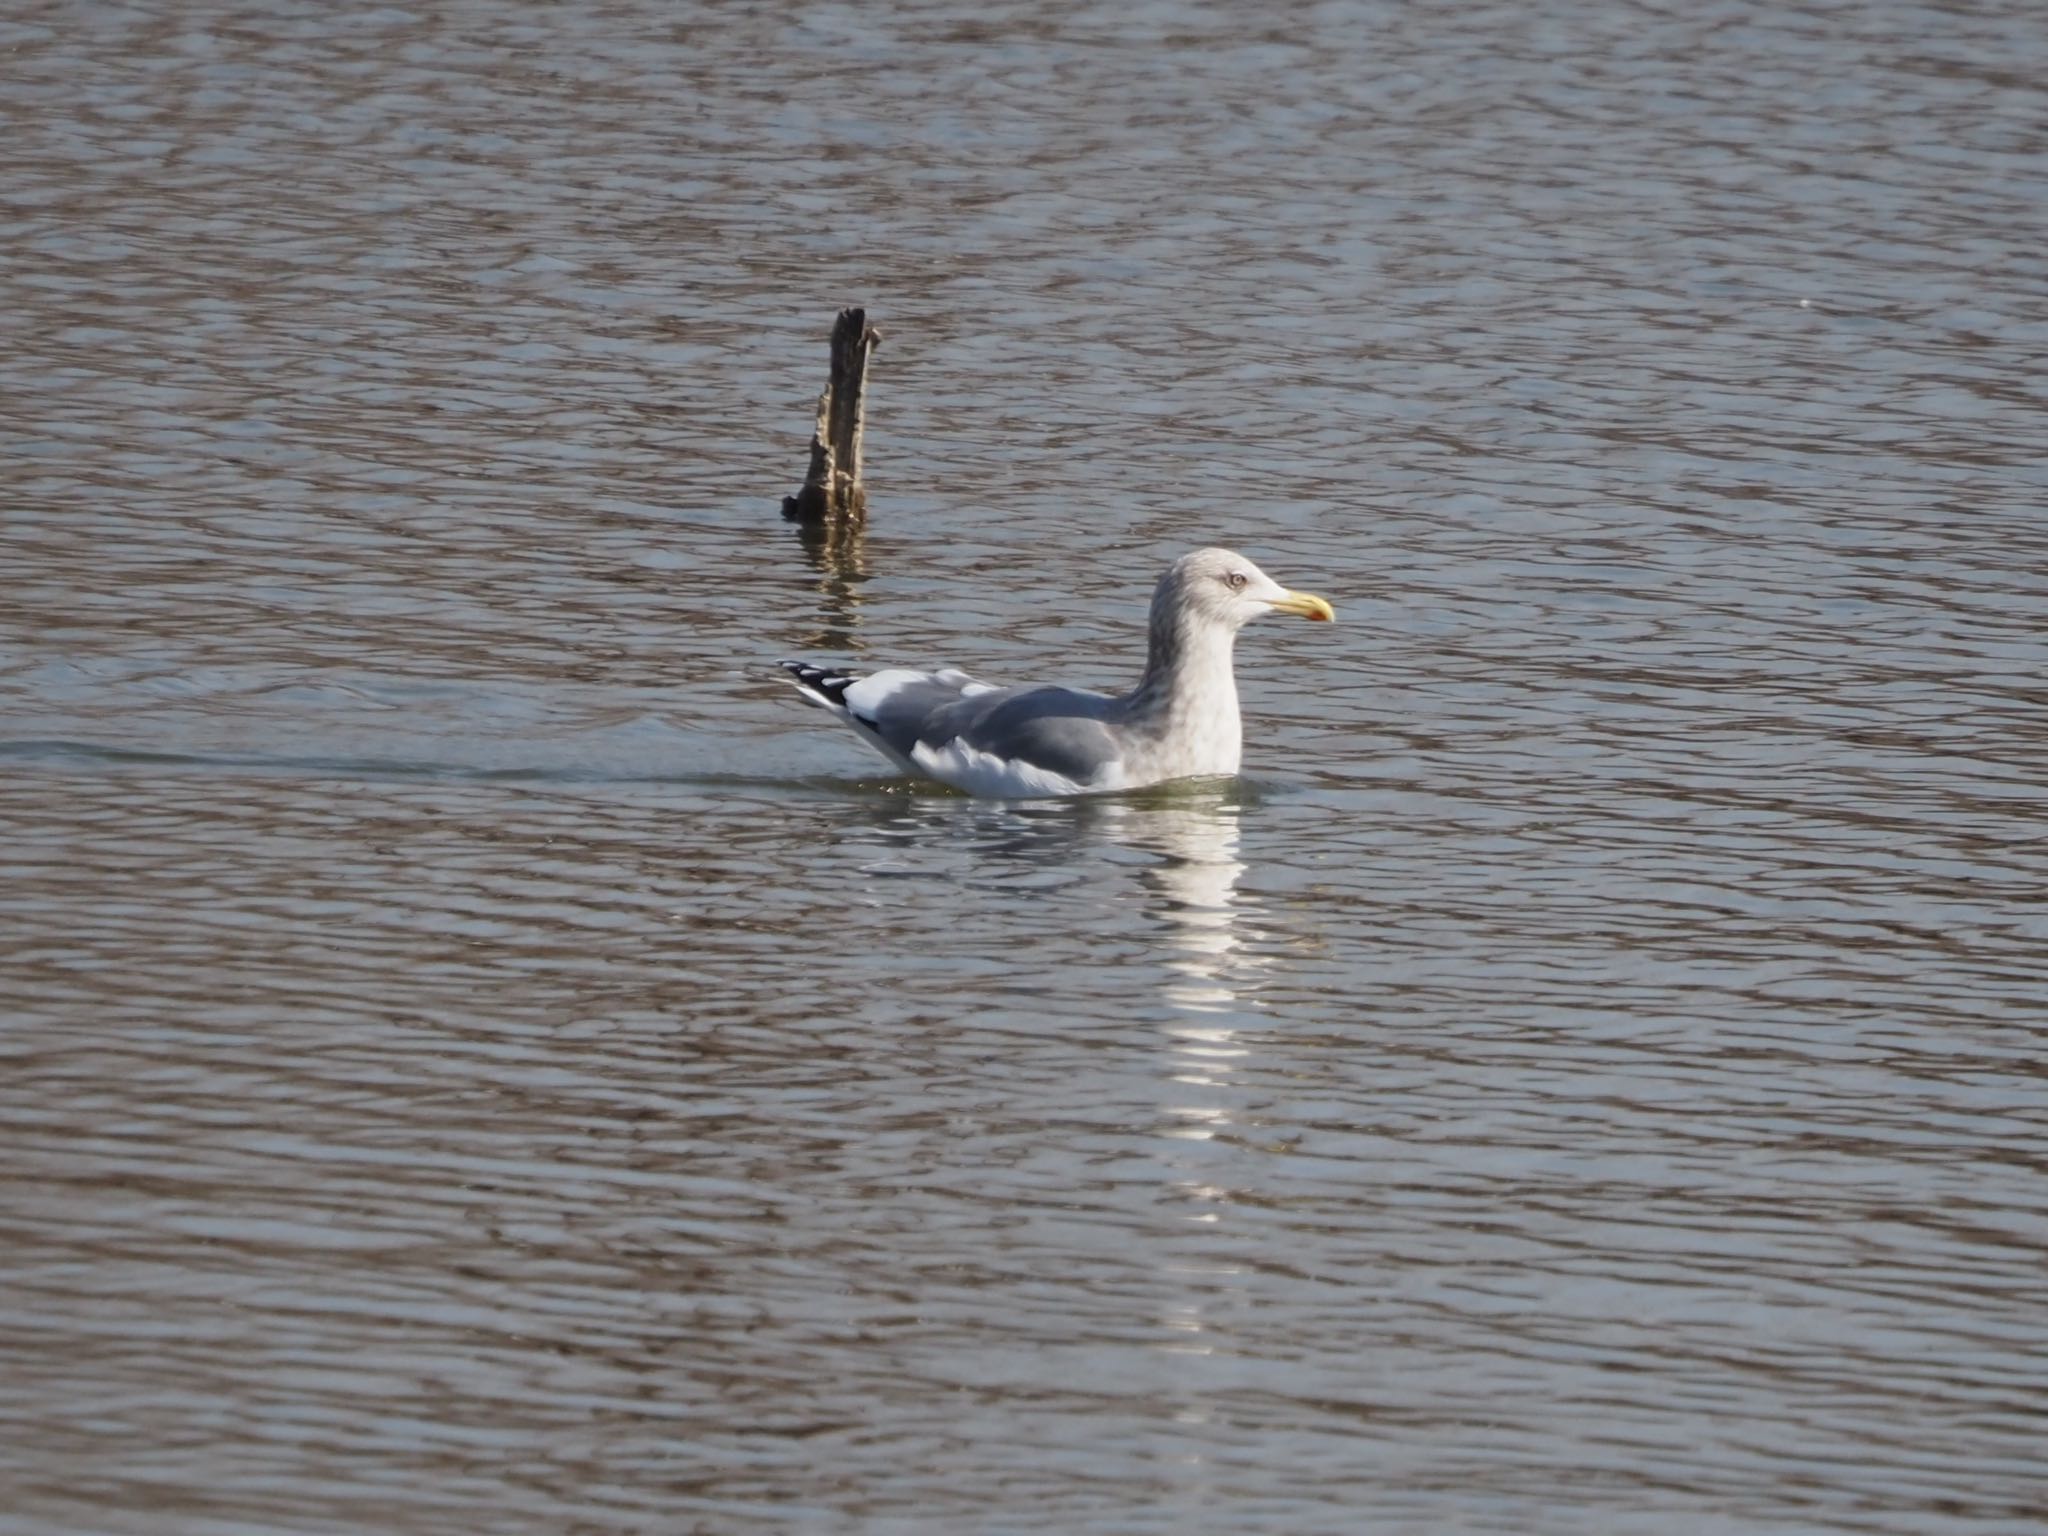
point(479, 1054)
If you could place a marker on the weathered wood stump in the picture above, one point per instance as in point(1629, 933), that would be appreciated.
point(833, 499)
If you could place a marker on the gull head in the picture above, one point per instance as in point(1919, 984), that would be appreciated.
point(1220, 586)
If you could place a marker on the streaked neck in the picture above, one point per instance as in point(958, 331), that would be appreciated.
point(1189, 675)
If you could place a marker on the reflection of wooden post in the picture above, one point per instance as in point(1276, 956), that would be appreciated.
point(832, 494)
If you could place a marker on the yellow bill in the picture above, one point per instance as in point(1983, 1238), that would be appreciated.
point(1307, 604)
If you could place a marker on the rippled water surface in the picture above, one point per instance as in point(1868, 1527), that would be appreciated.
point(480, 1055)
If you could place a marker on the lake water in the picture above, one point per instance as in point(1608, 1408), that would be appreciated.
point(481, 1055)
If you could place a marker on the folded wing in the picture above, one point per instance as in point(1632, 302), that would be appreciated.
point(986, 740)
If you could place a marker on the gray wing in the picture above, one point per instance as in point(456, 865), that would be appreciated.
point(1061, 730)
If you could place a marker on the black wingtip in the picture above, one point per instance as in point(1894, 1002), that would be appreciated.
point(823, 682)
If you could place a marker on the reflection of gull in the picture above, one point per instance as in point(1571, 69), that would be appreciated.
point(1197, 902)
point(1197, 883)
point(1197, 905)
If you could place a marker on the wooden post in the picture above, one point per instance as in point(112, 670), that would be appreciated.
point(833, 497)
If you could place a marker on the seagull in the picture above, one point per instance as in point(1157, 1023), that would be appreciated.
point(1180, 722)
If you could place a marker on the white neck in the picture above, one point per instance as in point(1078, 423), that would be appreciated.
point(1189, 695)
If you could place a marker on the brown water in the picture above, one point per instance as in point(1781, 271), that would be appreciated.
point(481, 1056)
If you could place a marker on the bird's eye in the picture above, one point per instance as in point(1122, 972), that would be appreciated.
point(1235, 581)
